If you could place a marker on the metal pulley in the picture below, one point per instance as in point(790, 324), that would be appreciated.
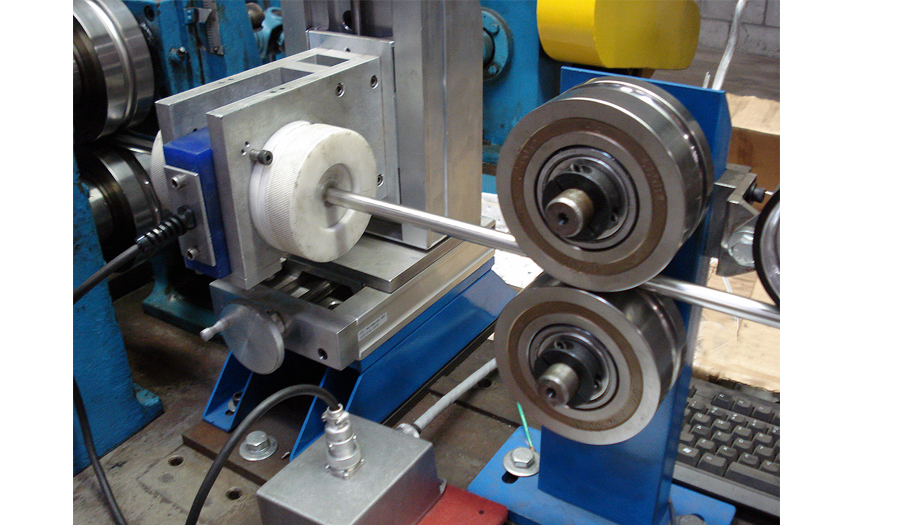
point(592, 368)
point(112, 69)
point(603, 184)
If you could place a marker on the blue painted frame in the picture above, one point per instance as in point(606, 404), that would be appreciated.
point(374, 387)
point(628, 483)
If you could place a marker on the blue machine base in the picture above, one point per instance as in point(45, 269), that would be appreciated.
point(530, 506)
point(374, 387)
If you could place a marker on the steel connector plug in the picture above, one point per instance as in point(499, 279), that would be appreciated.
point(343, 454)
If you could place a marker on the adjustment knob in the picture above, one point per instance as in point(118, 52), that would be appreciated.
point(253, 335)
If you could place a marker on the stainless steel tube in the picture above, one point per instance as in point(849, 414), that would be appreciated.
point(679, 290)
point(429, 221)
point(715, 300)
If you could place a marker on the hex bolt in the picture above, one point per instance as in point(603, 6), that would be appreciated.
point(257, 441)
point(523, 457)
point(262, 156)
point(191, 253)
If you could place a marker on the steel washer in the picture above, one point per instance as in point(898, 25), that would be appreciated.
point(645, 337)
point(652, 136)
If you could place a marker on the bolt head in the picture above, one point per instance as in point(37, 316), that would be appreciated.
point(191, 253)
point(523, 457)
point(257, 440)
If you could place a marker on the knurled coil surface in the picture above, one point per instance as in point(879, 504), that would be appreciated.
point(286, 197)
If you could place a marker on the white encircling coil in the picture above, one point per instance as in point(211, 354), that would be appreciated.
point(158, 173)
point(287, 202)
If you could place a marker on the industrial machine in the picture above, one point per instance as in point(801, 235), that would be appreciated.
point(327, 156)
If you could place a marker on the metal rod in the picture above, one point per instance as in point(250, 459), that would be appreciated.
point(429, 221)
point(694, 294)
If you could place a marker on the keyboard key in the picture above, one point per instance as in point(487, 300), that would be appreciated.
point(701, 431)
point(763, 439)
point(749, 460)
point(757, 479)
point(742, 445)
point(737, 419)
point(721, 438)
point(772, 467)
point(688, 455)
point(701, 419)
point(776, 419)
point(758, 426)
point(777, 447)
point(727, 452)
point(687, 438)
point(742, 406)
point(742, 432)
point(722, 426)
point(706, 445)
point(723, 400)
point(764, 452)
point(718, 413)
point(764, 413)
point(775, 432)
point(713, 464)
point(691, 391)
point(697, 406)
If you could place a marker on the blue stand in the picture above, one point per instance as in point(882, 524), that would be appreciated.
point(528, 505)
point(116, 407)
point(628, 483)
point(377, 385)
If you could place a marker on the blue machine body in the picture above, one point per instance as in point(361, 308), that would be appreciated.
point(375, 386)
point(533, 506)
point(179, 37)
point(193, 152)
point(628, 483)
point(528, 77)
point(116, 407)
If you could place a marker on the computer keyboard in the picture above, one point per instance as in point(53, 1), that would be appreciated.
point(730, 447)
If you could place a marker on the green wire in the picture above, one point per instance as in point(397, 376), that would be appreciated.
point(525, 426)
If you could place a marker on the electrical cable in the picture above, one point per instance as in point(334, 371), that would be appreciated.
point(235, 439)
point(92, 455)
point(729, 47)
point(161, 235)
point(525, 426)
point(144, 246)
point(450, 397)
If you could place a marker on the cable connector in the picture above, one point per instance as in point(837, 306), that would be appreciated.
point(165, 232)
point(343, 455)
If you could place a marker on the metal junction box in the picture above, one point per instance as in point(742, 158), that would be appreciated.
point(396, 485)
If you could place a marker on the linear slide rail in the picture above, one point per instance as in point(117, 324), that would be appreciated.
point(694, 294)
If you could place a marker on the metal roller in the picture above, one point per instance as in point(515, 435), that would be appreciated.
point(112, 69)
point(603, 184)
point(591, 368)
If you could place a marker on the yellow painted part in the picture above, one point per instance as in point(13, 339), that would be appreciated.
point(655, 34)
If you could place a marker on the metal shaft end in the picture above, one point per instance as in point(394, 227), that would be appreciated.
point(558, 384)
point(569, 212)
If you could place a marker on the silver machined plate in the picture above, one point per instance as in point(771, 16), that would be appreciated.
point(244, 110)
point(355, 328)
point(189, 193)
point(643, 334)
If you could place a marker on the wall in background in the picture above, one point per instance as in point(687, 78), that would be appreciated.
point(759, 30)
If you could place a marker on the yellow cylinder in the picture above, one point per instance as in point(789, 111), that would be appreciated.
point(654, 34)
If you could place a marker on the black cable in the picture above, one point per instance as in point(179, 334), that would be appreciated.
point(235, 438)
point(164, 233)
point(145, 245)
point(108, 269)
point(92, 455)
